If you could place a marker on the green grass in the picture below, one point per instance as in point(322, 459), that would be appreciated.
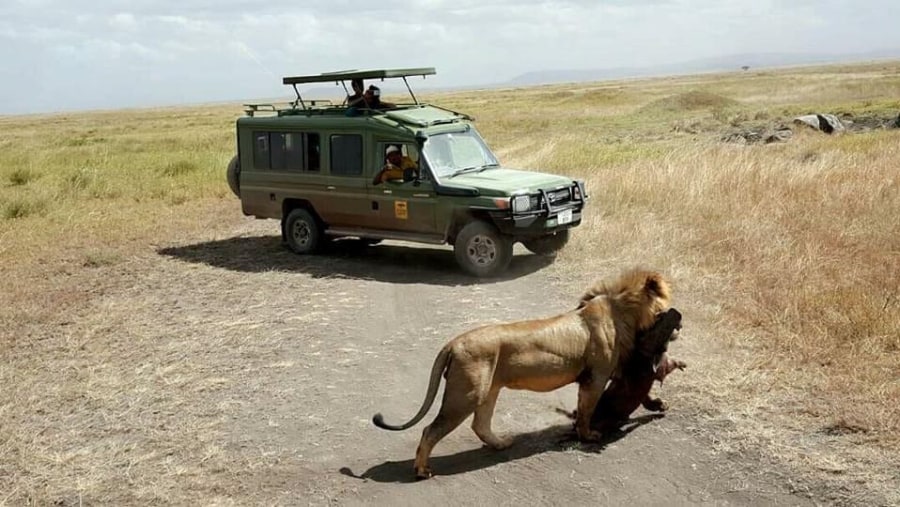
point(22, 176)
point(108, 158)
point(23, 206)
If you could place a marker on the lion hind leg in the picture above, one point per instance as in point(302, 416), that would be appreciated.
point(481, 423)
point(445, 422)
point(461, 397)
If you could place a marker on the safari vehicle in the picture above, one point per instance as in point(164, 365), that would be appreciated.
point(311, 164)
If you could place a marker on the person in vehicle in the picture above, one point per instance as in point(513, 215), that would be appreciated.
point(397, 167)
point(373, 99)
point(358, 98)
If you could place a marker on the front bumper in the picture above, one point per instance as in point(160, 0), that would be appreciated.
point(547, 218)
point(535, 223)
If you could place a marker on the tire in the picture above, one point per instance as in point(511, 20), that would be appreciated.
point(233, 174)
point(547, 245)
point(481, 250)
point(302, 232)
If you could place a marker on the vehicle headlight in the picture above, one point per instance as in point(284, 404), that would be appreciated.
point(521, 203)
point(579, 193)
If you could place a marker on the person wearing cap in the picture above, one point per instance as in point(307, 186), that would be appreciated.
point(373, 99)
point(397, 167)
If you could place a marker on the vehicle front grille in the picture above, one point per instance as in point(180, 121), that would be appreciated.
point(558, 197)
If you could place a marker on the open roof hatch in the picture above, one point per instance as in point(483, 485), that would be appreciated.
point(342, 76)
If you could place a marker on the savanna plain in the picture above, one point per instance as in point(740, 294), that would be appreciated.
point(128, 367)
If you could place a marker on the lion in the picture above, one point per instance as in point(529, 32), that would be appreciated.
point(584, 345)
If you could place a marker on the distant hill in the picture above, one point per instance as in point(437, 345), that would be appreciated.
point(717, 64)
point(422, 88)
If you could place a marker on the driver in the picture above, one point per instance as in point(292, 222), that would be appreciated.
point(397, 167)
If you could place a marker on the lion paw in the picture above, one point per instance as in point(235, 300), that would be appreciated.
point(656, 405)
point(590, 436)
point(496, 443)
point(424, 473)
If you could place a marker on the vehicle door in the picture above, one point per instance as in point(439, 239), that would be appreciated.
point(403, 206)
point(344, 202)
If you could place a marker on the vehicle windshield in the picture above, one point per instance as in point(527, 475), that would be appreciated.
point(456, 152)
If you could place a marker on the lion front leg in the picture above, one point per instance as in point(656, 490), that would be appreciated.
point(589, 393)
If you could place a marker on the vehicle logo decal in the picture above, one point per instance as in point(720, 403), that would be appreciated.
point(400, 210)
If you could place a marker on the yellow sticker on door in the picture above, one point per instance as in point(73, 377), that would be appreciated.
point(400, 210)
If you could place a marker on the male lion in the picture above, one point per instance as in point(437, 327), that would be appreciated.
point(584, 345)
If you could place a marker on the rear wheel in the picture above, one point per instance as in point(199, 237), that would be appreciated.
point(302, 232)
point(233, 174)
point(548, 245)
point(481, 250)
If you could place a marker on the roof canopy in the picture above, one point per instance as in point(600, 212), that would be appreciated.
point(358, 74)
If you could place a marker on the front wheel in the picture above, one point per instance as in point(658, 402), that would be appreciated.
point(302, 232)
point(481, 250)
point(547, 245)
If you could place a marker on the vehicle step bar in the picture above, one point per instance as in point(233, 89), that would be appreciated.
point(380, 234)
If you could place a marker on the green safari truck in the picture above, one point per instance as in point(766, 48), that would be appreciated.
point(408, 171)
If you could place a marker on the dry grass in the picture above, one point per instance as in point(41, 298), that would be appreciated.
point(804, 250)
point(121, 402)
point(791, 251)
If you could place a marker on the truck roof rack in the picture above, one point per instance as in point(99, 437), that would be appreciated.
point(358, 74)
point(344, 75)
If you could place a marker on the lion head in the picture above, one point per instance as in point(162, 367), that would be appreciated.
point(637, 294)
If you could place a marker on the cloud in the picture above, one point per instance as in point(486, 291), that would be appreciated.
point(123, 21)
point(117, 53)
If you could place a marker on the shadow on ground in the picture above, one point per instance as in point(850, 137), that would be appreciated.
point(347, 259)
point(553, 439)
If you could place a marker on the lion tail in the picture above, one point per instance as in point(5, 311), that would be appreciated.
point(440, 364)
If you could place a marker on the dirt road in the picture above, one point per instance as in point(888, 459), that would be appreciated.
point(227, 370)
point(355, 333)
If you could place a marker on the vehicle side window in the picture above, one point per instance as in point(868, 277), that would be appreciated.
point(286, 151)
point(408, 160)
point(313, 151)
point(260, 150)
point(412, 152)
point(346, 155)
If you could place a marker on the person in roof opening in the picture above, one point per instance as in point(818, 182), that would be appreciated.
point(397, 167)
point(358, 97)
point(373, 99)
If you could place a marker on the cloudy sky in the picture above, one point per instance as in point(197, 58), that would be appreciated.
point(85, 54)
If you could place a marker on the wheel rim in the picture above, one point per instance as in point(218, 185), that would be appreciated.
point(301, 233)
point(482, 250)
